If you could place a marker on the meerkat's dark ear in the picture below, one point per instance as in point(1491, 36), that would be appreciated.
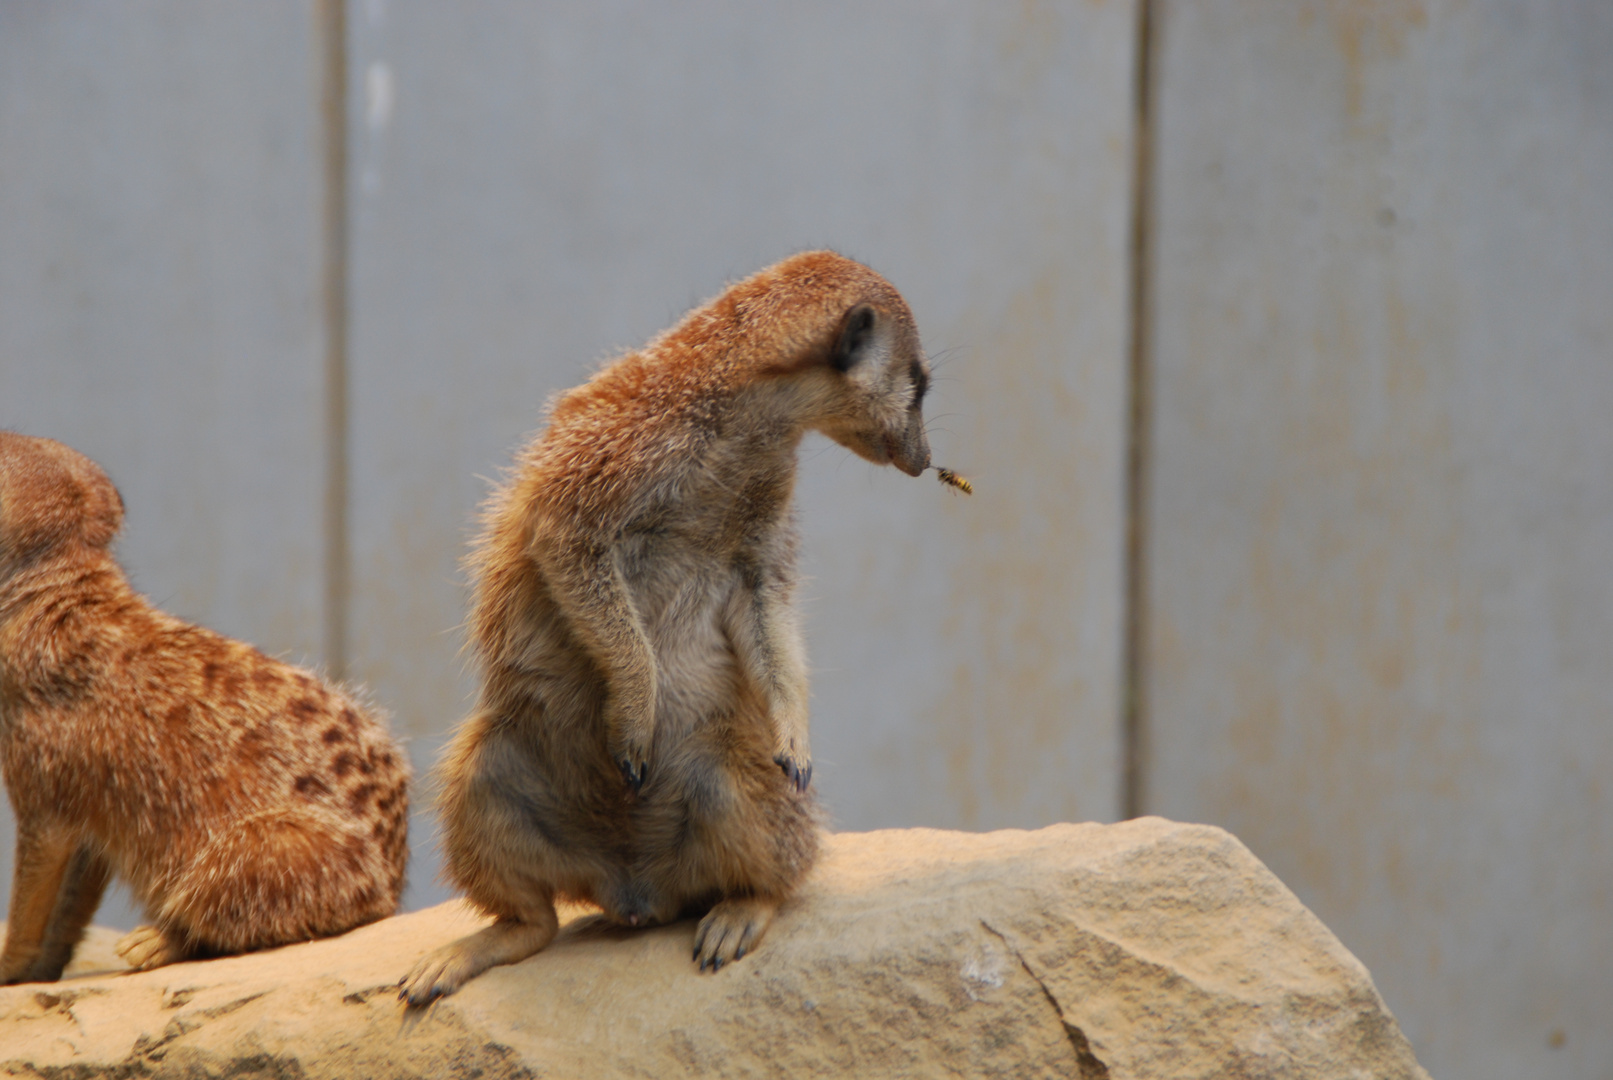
point(855, 335)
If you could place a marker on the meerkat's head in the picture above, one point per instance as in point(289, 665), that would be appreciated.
point(51, 498)
point(877, 375)
point(870, 376)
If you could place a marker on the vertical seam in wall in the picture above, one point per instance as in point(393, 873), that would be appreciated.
point(1134, 722)
point(332, 35)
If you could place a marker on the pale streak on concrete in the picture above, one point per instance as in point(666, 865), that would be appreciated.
point(159, 305)
point(556, 182)
point(1382, 515)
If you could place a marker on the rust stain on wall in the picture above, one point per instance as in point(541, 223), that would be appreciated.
point(1006, 717)
point(1369, 32)
point(1367, 647)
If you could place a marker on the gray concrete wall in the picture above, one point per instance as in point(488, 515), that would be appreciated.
point(1381, 512)
point(159, 306)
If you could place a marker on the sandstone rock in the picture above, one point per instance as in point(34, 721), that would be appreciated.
point(1145, 949)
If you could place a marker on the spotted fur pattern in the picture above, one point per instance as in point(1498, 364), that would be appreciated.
point(245, 802)
point(641, 737)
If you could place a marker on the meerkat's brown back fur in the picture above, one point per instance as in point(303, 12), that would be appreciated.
point(245, 802)
point(641, 737)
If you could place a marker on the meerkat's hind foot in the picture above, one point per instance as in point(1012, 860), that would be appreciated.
point(731, 929)
point(442, 971)
point(147, 947)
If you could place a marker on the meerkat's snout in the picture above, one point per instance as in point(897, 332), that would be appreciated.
point(912, 453)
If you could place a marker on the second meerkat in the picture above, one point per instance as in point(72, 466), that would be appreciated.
point(640, 741)
point(245, 802)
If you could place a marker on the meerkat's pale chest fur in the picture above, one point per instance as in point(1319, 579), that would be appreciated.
point(641, 739)
point(245, 802)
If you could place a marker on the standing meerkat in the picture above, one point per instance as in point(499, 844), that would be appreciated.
point(245, 803)
point(640, 742)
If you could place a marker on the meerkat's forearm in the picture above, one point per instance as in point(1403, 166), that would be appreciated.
point(588, 587)
point(767, 640)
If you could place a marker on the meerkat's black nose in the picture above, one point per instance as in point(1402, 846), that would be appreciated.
point(913, 464)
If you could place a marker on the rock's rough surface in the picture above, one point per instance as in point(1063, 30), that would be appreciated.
point(1145, 949)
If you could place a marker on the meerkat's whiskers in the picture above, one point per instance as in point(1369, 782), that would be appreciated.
point(953, 480)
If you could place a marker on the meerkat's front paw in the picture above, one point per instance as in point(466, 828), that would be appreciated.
point(634, 770)
point(732, 929)
point(796, 761)
point(632, 757)
point(147, 947)
point(799, 773)
point(631, 730)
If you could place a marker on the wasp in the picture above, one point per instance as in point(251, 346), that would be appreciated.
point(953, 480)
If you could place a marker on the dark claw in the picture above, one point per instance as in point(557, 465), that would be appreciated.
point(415, 1003)
point(633, 776)
point(798, 775)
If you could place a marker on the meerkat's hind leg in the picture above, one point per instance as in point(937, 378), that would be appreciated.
point(442, 971)
point(732, 929)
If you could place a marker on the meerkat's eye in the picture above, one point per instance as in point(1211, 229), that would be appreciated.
point(921, 382)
